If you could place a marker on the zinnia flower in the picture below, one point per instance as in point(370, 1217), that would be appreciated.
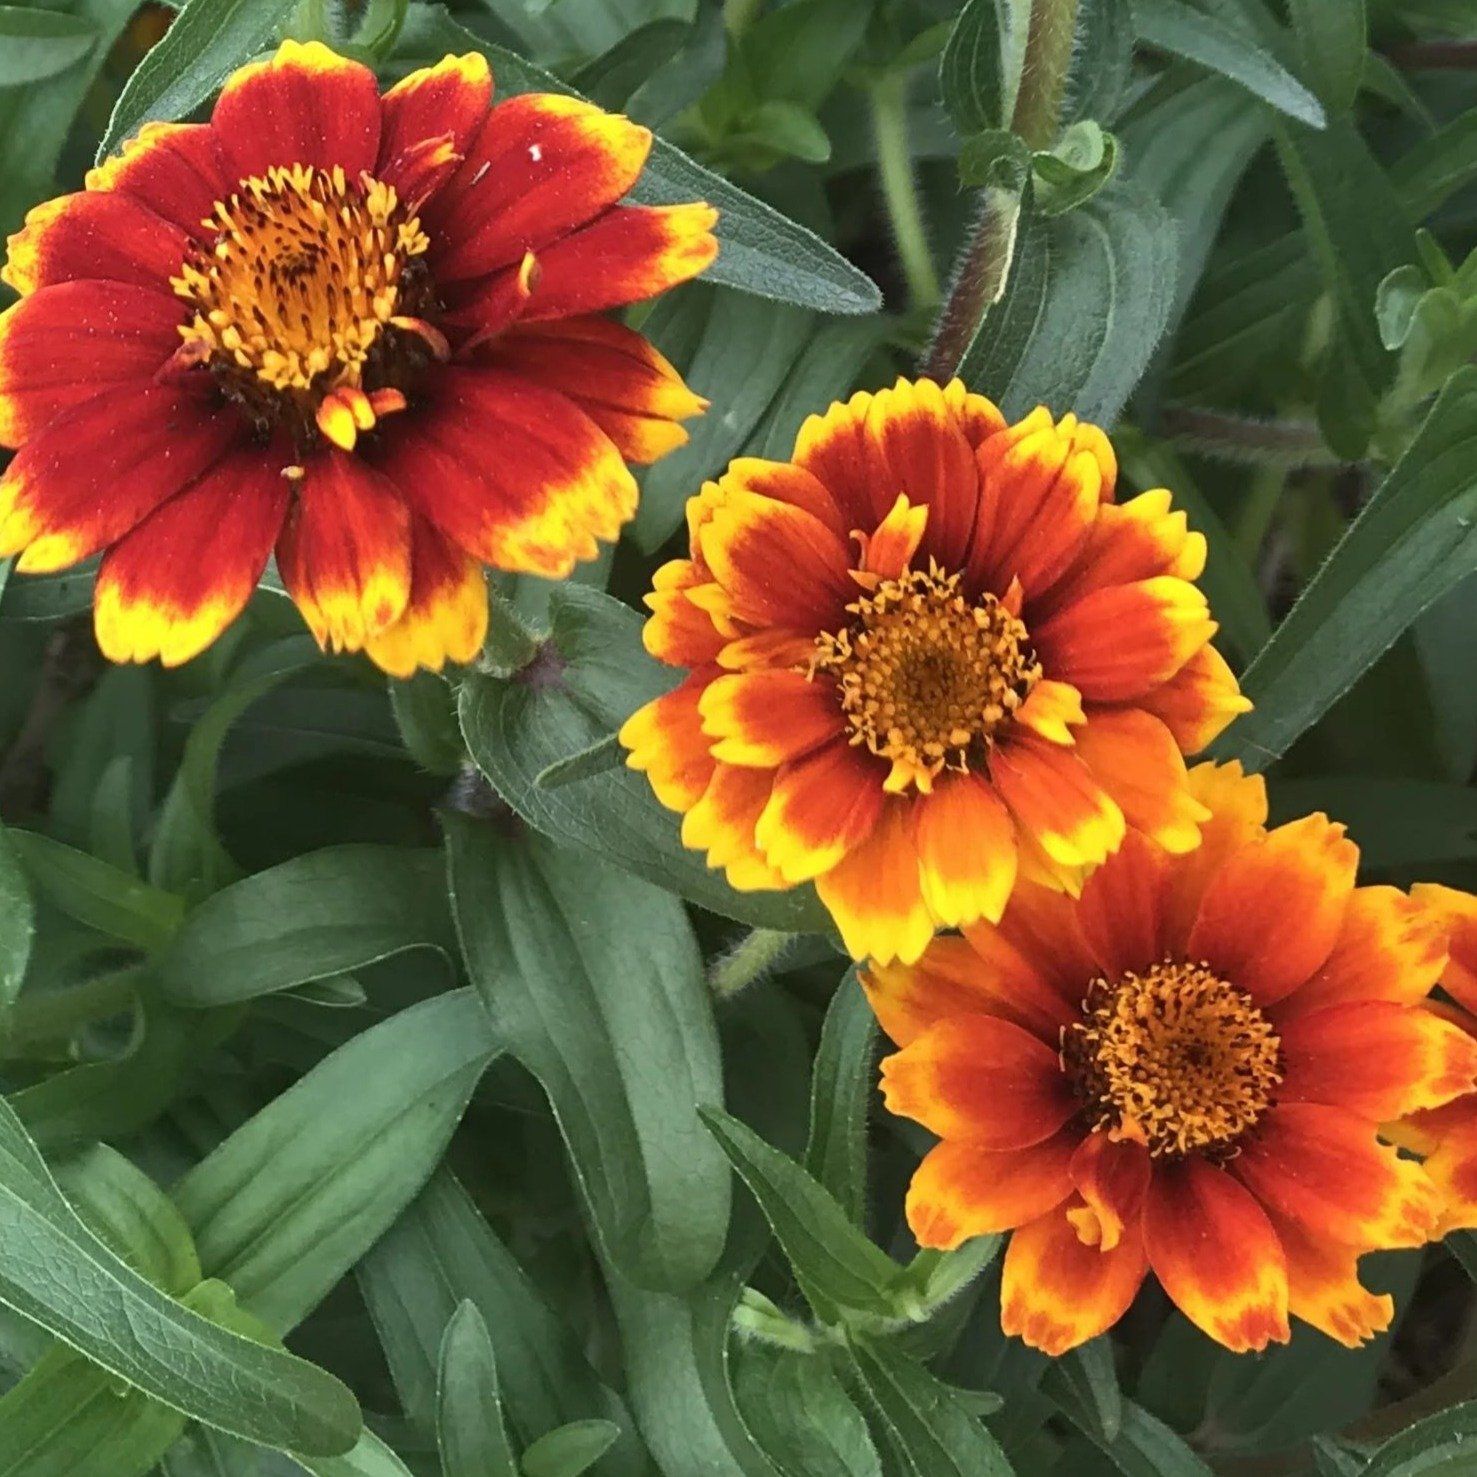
point(927, 651)
point(1448, 1134)
point(1183, 1071)
point(360, 329)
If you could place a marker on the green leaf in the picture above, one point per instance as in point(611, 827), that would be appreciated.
point(425, 713)
point(840, 1087)
point(676, 1361)
point(596, 984)
point(1411, 543)
point(17, 921)
point(1088, 295)
point(47, 597)
point(70, 1418)
point(1333, 46)
point(841, 1273)
point(126, 1210)
point(800, 1413)
point(348, 1146)
point(760, 251)
point(799, 53)
point(1074, 171)
point(1331, 1460)
point(204, 44)
point(1355, 224)
point(96, 894)
point(980, 71)
point(56, 1272)
point(34, 124)
point(930, 1425)
point(1400, 825)
point(469, 1413)
point(569, 1450)
point(996, 159)
point(1084, 1384)
point(1441, 1446)
point(592, 674)
point(35, 44)
point(323, 914)
point(741, 360)
point(1143, 1446)
point(440, 1252)
point(1216, 38)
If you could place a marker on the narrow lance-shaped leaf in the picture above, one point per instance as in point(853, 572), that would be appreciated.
point(841, 1084)
point(56, 1271)
point(35, 43)
point(1411, 543)
point(469, 1410)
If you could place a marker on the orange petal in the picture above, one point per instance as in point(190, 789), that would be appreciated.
point(977, 418)
point(961, 1190)
point(344, 555)
point(666, 741)
point(446, 619)
point(764, 719)
point(98, 470)
point(777, 564)
point(1324, 1167)
point(1054, 797)
point(1323, 1286)
point(889, 551)
point(1214, 1250)
point(1051, 710)
point(541, 166)
point(966, 850)
point(722, 824)
point(1456, 912)
point(1120, 911)
point(1198, 702)
point(1117, 644)
point(824, 806)
point(64, 344)
point(1042, 926)
point(1057, 1293)
point(1452, 1168)
point(1112, 1179)
point(1042, 484)
point(174, 170)
point(616, 377)
point(304, 105)
point(1375, 1058)
point(952, 978)
point(874, 894)
point(1134, 757)
point(95, 235)
point(679, 632)
point(1133, 541)
point(1389, 948)
point(980, 1079)
point(1273, 912)
point(515, 473)
point(173, 584)
point(449, 99)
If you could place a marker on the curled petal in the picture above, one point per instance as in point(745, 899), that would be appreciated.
point(960, 1190)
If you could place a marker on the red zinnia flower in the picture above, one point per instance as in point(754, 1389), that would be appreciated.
point(928, 651)
point(1183, 1071)
point(357, 328)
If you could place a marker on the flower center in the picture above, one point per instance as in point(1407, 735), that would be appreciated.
point(927, 676)
point(310, 292)
point(1174, 1058)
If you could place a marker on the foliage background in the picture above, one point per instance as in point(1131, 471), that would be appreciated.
point(377, 1021)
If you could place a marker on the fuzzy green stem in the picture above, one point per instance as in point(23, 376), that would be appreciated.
point(979, 276)
point(889, 106)
point(510, 645)
point(54, 1014)
point(749, 960)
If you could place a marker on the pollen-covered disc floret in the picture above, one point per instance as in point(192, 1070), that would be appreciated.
point(297, 293)
point(925, 675)
point(1174, 1058)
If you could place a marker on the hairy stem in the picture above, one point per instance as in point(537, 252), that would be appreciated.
point(749, 960)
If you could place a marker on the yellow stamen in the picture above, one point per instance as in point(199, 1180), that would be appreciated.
point(926, 676)
point(306, 271)
point(1175, 1059)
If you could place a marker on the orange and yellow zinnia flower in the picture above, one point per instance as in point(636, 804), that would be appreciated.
point(362, 330)
point(1447, 1134)
point(927, 653)
point(1183, 1071)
